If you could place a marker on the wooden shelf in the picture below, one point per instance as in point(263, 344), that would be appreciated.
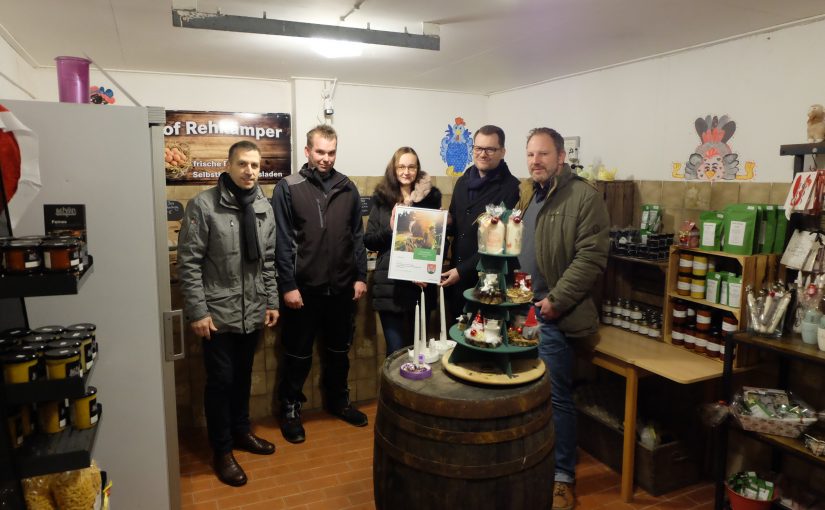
point(705, 302)
point(45, 390)
point(43, 454)
point(43, 284)
point(794, 446)
point(790, 346)
point(710, 253)
point(661, 264)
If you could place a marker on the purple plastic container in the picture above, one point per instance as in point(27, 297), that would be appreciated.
point(73, 79)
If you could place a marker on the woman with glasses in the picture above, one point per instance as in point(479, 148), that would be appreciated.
point(404, 183)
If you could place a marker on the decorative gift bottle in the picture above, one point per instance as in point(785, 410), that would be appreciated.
point(514, 232)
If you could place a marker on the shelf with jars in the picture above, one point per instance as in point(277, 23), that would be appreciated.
point(705, 297)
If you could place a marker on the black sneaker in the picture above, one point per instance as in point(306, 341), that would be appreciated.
point(291, 426)
point(350, 415)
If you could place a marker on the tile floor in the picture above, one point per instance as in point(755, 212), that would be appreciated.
point(333, 471)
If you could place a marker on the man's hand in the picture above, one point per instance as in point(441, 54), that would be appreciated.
point(203, 328)
point(293, 299)
point(271, 318)
point(451, 277)
point(546, 310)
point(360, 288)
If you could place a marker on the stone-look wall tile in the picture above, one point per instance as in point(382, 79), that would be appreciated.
point(723, 194)
point(270, 359)
point(754, 192)
point(779, 191)
point(669, 220)
point(363, 369)
point(271, 335)
point(360, 182)
point(673, 194)
point(370, 184)
point(444, 183)
point(268, 189)
point(445, 201)
point(697, 195)
point(259, 363)
point(367, 389)
point(260, 406)
point(259, 386)
point(649, 192)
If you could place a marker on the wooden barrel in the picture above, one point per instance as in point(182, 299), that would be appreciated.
point(441, 443)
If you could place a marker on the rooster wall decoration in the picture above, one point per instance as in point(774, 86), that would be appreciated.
point(714, 159)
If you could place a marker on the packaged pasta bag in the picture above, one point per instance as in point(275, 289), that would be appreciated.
point(78, 489)
point(37, 493)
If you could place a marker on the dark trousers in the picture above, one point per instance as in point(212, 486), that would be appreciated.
point(398, 329)
point(333, 317)
point(454, 297)
point(228, 359)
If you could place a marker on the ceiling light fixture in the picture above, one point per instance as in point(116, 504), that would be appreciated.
point(429, 39)
point(336, 49)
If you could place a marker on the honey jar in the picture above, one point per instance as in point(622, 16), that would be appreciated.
point(14, 334)
point(63, 363)
point(697, 288)
point(19, 366)
point(82, 340)
point(700, 266)
point(49, 330)
point(39, 349)
point(85, 410)
point(22, 256)
point(685, 263)
point(14, 422)
point(53, 416)
point(92, 329)
point(683, 285)
point(61, 254)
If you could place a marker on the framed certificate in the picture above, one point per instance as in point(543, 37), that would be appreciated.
point(418, 244)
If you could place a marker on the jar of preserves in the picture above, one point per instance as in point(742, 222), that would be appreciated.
point(685, 263)
point(683, 285)
point(22, 256)
point(677, 336)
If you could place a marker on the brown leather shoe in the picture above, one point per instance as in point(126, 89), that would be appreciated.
point(564, 496)
point(228, 470)
point(254, 444)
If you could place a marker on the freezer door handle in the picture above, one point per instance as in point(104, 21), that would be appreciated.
point(172, 335)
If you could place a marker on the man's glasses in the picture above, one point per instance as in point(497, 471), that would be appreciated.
point(411, 168)
point(488, 151)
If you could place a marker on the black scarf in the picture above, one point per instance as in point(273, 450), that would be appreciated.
point(475, 181)
point(249, 232)
point(541, 191)
point(322, 178)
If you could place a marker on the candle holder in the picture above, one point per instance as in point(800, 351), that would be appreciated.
point(430, 354)
point(415, 372)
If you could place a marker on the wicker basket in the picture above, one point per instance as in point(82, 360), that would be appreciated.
point(786, 428)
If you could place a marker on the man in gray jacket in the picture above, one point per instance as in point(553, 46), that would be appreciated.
point(226, 260)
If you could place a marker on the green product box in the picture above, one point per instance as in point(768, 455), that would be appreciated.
point(781, 230)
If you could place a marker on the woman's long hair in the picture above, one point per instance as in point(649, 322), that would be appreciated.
point(389, 189)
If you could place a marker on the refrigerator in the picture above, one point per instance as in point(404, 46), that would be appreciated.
point(110, 159)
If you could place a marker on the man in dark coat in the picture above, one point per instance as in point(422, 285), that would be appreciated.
point(488, 181)
point(322, 272)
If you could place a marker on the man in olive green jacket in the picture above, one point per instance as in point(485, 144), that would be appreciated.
point(565, 250)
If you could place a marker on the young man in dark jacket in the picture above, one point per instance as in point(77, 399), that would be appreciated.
point(564, 248)
point(322, 272)
point(226, 261)
point(488, 181)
